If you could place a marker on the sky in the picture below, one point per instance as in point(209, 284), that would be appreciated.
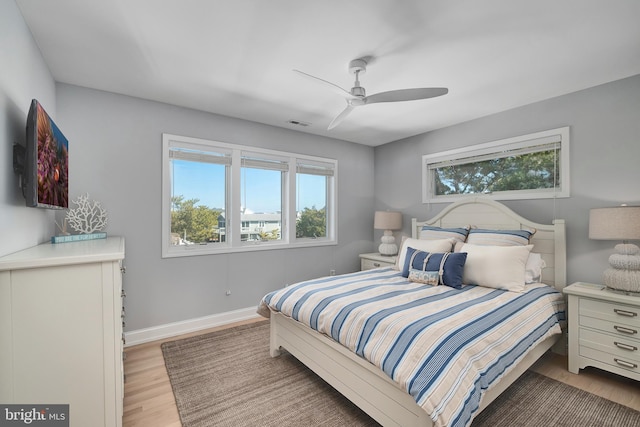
point(205, 181)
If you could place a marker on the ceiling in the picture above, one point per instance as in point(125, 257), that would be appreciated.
point(236, 57)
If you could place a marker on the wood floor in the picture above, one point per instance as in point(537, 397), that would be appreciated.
point(149, 402)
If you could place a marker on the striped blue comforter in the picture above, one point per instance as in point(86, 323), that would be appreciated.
point(444, 346)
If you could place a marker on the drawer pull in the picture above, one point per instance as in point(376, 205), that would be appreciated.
point(625, 330)
point(376, 264)
point(625, 312)
point(625, 346)
point(625, 363)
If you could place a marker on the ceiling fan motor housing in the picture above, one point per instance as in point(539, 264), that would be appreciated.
point(358, 91)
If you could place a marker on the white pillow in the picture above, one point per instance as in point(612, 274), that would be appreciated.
point(439, 245)
point(500, 267)
point(533, 269)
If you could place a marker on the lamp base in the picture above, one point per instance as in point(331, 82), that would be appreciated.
point(622, 280)
point(388, 246)
point(624, 272)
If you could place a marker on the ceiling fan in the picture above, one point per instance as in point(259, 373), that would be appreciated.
point(357, 97)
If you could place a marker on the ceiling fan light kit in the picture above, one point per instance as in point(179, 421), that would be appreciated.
point(357, 96)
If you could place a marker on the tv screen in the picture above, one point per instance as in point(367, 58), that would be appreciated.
point(46, 168)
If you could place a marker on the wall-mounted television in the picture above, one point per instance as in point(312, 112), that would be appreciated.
point(45, 163)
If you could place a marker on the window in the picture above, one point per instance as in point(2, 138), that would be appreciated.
point(525, 167)
point(263, 181)
point(275, 199)
point(198, 196)
point(313, 195)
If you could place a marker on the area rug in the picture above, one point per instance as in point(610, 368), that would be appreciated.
point(228, 379)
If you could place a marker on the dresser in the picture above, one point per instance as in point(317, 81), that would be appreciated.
point(61, 329)
point(375, 260)
point(604, 330)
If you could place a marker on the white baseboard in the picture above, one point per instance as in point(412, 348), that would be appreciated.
point(141, 336)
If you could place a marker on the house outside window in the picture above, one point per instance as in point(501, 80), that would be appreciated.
point(531, 166)
point(276, 199)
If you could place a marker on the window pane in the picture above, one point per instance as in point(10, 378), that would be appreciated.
point(530, 171)
point(311, 197)
point(261, 213)
point(198, 202)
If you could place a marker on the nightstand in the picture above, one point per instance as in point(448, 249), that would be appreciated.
point(375, 260)
point(604, 330)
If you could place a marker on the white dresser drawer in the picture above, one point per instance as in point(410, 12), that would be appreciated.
point(614, 312)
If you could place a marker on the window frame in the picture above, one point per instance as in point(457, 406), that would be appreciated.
point(477, 152)
point(233, 215)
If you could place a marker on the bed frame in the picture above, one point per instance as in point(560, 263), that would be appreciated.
point(366, 385)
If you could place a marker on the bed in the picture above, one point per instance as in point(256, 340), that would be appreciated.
point(351, 369)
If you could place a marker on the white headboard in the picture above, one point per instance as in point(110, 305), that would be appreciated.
point(549, 239)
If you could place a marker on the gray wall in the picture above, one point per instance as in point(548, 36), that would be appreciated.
point(115, 156)
point(23, 76)
point(605, 149)
point(115, 144)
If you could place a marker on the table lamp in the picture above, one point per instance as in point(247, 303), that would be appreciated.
point(619, 223)
point(387, 221)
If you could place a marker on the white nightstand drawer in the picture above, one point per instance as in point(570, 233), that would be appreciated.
point(618, 328)
point(622, 362)
point(617, 313)
point(625, 348)
point(375, 260)
point(368, 264)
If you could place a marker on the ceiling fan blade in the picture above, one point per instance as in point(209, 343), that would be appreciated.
point(406, 95)
point(340, 117)
point(332, 86)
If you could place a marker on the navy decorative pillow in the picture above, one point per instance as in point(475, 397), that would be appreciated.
point(453, 265)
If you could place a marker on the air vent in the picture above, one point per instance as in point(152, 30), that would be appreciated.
point(298, 123)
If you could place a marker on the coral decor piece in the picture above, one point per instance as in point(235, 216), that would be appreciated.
point(88, 217)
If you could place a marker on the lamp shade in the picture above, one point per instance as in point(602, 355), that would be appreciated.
point(617, 223)
point(386, 220)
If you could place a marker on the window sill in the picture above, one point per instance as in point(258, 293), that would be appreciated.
point(198, 250)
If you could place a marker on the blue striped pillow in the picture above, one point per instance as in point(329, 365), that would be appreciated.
point(484, 237)
point(429, 232)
